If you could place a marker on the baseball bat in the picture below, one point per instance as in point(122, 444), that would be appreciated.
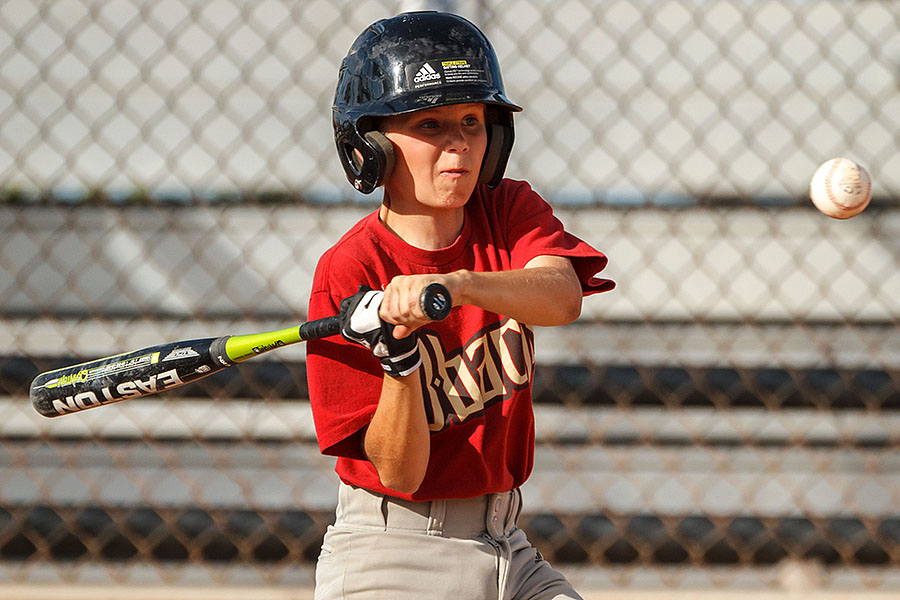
point(167, 366)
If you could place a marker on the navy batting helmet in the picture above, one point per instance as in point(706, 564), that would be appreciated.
point(410, 62)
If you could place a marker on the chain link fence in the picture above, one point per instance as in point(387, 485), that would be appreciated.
point(730, 410)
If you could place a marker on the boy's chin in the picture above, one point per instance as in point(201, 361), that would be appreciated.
point(450, 201)
point(456, 195)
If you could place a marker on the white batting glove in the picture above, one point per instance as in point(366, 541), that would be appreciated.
point(361, 324)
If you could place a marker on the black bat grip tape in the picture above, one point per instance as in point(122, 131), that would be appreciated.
point(320, 328)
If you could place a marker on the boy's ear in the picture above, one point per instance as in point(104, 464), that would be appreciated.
point(384, 150)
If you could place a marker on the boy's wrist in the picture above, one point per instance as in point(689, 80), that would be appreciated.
point(459, 284)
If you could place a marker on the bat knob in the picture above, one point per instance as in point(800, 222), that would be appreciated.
point(436, 302)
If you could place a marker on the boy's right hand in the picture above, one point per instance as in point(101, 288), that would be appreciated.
point(361, 324)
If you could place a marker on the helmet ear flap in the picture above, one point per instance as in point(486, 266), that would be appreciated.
point(500, 143)
point(367, 159)
point(384, 152)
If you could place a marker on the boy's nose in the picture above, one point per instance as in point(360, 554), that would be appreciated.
point(456, 141)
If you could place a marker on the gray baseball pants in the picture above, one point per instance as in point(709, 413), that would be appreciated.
point(384, 547)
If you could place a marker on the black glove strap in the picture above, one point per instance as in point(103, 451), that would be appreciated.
point(403, 356)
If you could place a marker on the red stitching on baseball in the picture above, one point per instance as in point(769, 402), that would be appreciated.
point(828, 177)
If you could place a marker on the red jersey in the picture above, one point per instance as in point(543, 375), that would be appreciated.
point(477, 366)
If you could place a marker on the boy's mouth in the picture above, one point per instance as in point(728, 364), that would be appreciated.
point(454, 172)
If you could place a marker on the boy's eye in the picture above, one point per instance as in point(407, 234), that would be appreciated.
point(470, 121)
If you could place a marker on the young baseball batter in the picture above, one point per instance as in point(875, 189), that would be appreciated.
point(432, 422)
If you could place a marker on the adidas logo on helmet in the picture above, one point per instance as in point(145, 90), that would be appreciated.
point(425, 74)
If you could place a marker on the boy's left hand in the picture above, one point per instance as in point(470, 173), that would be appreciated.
point(361, 324)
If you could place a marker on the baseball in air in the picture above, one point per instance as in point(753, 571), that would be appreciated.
point(840, 188)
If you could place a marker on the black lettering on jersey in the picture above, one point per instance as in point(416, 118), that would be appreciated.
point(492, 365)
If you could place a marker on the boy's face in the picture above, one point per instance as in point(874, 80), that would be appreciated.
point(438, 154)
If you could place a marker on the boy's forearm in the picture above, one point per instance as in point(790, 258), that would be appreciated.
point(397, 441)
point(544, 294)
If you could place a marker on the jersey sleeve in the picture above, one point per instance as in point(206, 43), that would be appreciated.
point(533, 230)
point(344, 378)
